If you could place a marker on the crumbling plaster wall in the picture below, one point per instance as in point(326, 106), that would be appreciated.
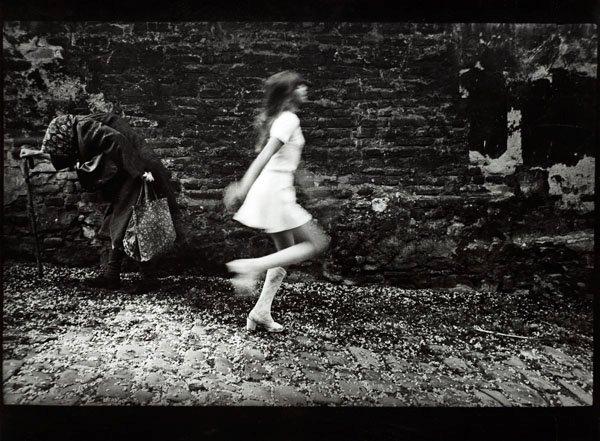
point(421, 162)
point(559, 64)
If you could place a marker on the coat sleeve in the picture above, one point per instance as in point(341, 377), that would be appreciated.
point(96, 138)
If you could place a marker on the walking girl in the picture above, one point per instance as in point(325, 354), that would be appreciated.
point(268, 198)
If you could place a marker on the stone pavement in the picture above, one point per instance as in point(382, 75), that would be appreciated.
point(64, 345)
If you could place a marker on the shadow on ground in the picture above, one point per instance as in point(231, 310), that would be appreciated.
point(184, 344)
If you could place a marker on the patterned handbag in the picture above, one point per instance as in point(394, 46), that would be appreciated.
point(150, 231)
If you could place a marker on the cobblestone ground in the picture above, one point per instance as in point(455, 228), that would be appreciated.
point(184, 344)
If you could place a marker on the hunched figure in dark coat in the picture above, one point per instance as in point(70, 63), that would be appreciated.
point(112, 159)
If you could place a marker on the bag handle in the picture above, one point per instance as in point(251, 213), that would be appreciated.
point(145, 191)
point(149, 186)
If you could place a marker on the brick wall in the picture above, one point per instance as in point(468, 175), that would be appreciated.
point(387, 168)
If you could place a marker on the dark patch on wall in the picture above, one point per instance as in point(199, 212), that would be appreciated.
point(385, 169)
point(559, 119)
point(486, 110)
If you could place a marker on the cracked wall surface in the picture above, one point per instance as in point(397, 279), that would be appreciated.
point(429, 147)
point(549, 79)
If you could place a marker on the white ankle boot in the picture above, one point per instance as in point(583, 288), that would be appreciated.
point(261, 313)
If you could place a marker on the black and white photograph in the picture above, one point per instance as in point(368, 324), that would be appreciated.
point(298, 214)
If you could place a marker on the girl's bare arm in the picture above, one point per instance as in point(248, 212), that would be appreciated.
point(272, 147)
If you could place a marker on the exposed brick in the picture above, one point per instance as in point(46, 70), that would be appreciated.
point(384, 123)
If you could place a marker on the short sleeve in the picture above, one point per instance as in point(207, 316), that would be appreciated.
point(284, 125)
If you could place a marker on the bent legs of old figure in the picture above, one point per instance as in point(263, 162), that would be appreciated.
point(110, 277)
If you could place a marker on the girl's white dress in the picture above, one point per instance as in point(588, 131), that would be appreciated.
point(271, 201)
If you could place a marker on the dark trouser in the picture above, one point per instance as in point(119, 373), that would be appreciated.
point(115, 259)
point(113, 265)
point(123, 193)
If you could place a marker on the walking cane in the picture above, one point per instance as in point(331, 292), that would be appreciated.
point(25, 165)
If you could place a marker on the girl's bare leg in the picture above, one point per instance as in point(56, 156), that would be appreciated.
point(283, 239)
point(310, 240)
point(261, 313)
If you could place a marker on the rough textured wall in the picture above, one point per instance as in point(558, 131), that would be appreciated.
point(536, 145)
point(397, 165)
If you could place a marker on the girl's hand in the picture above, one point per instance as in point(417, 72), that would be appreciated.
point(233, 196)
point(148, 177)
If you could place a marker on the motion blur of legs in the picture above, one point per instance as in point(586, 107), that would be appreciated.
point(305, 213)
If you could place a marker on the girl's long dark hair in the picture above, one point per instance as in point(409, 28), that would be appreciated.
point(279, 89)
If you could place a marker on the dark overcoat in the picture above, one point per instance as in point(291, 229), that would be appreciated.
point(111, 159)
